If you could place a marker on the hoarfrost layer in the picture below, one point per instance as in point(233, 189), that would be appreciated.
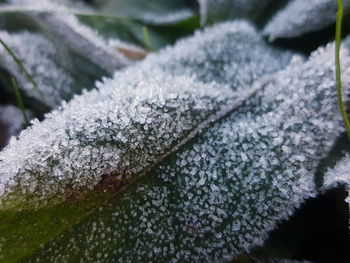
point(134, 118)
point(221, 195)
point(230, 53)
point(37, 55)
point(312, 15)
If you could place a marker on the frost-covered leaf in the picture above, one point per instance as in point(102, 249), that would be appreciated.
point(134, 119)
point(38, 56)
point(62, 55)
point(11, 123)
point(300, 17)
point(92, 126)
point(340, 174)
point(217, 10)
point(104, 19)
point(223, 192)
point(57, 18)
point(151, 11)
point(83, 40)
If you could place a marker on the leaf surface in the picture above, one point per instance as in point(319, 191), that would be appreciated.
point(223, 192)
point(127, 126)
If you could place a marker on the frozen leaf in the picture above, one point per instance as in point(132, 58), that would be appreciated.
point(57, 18)
point(63, 56)
point(222, 193)
point(151, 11)
point(38, 57)
point(216, 10)
point(11, 123)
point(83, 40)
point(300, 17)
point(134, 119)
point(340, 174)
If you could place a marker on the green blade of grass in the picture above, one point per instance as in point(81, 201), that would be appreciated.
point(22, 68)
point(342, 108)
point(19, 101)
point(146, 39)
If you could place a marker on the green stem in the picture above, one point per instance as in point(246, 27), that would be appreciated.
point(338, 70)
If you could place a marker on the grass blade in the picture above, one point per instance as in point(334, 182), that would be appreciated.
point(21, 67)
point(146, 39)
point(19, 101)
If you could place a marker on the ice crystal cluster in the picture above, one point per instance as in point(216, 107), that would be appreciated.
point(130, 121)
point(221, 194)
point(212, 10)
point(312, 15)
point(38, 56)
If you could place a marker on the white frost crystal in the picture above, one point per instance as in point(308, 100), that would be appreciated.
point(130, 121)
point(38, 56)
point(300, 17)
point(220, 195)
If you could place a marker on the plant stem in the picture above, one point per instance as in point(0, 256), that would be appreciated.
point(338, 70)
